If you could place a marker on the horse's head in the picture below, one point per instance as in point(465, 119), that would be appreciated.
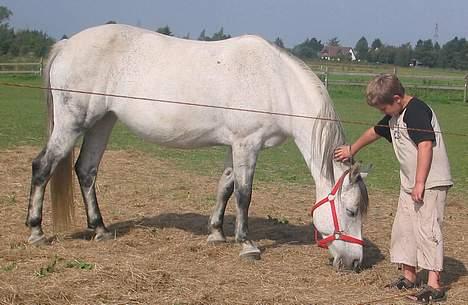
point(338, 217)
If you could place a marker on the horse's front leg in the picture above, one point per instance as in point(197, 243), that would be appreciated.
point(225, 190)
point(244, 160)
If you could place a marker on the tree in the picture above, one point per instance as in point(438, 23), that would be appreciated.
point(30, 43)
point(454, 54)
point(376, 44)
point(165, 30)
point(403, 55)
point(7, 34)
point(220, 35)
point(425, 53)
point(5, 14)
point(279, 42)
point(111, 22)
point(362, 48)
point(310, 48)
point(334, 42)
point(202, 36)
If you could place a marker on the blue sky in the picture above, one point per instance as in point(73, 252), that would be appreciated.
point(394, 22)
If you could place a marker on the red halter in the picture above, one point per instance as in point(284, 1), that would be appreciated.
point(337, 234)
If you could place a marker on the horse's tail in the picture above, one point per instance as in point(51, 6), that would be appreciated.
point(61, 182)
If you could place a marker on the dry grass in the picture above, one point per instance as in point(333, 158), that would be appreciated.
point(160, 255)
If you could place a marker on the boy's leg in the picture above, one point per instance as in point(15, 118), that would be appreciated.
point(434, 279)
point(409, 273)
point(403, 242)
point(430, 244)
point(430, 253)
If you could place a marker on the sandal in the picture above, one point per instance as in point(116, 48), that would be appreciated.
point(401, 283)
point(428, 295)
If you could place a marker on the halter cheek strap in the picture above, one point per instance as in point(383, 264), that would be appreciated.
point(337, 234)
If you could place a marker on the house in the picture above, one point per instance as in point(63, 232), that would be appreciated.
point(337, 53)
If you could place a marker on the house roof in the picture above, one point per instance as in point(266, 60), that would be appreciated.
point(334, 51)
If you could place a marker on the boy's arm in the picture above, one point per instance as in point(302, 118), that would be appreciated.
point(422, 170)
point(347, 151)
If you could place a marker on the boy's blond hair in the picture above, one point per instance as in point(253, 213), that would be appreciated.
point(382, 88)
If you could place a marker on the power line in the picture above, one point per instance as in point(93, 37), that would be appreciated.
point(225, 108)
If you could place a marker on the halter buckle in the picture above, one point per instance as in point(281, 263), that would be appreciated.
point(331, 197)
point(337, 235)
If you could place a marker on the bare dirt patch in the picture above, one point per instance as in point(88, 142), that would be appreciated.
point(159, 214)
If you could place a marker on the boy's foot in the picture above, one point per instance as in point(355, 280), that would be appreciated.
point(428, 294)
point(401, 283)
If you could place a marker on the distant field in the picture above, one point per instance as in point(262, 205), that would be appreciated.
point(23, 120)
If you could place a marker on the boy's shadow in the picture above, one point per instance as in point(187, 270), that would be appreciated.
point(453, 271)
point(278, 230)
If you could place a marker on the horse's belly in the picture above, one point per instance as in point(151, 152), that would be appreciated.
point(172, 131)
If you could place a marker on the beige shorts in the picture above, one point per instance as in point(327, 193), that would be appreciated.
point(417, 230)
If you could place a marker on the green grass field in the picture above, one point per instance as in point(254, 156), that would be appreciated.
point(22, 122)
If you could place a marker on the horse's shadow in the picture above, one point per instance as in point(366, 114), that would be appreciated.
point(279, 231)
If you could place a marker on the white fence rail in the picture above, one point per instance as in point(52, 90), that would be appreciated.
point(22, 68)
point(325, 74)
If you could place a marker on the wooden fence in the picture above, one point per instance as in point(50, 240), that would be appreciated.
point(22, 68)
point(322, 71)
point(325, 75)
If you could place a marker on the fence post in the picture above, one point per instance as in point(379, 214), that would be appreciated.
point(465, 95)
point(41, 66)
point(395, 70)
point(326, 76)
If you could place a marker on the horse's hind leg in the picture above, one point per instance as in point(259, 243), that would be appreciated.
point(86, 167)
point(225, 189)
point(60, 144)
point(244, 156)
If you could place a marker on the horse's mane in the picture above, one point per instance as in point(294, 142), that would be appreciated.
point(327, 130)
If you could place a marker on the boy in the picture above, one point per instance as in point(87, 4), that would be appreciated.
point(409, 124)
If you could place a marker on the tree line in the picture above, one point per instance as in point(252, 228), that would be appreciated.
point(453, 54)
point(24, 43)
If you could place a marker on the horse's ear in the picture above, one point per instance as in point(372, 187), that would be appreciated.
point(358, 170)
point(366, 169)
point(354, 172)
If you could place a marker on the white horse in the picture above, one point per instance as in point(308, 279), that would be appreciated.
point(242, 73)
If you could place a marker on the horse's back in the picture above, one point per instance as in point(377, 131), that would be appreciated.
point(242, 72)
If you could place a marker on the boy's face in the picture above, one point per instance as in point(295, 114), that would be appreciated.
point(393, 108)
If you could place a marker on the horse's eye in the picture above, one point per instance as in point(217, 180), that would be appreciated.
point(351, 213)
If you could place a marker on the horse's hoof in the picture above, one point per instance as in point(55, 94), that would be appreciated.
point(250, 256)
point(37, 240)
point(104, 236)
point(216, 238)
point(250, 251)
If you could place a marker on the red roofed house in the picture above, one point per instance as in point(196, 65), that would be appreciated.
point(337, 53)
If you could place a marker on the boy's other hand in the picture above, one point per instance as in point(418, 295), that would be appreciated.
point(418, 193)
point(342, 153)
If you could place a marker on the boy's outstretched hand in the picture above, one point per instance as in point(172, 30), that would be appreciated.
point(343, 153)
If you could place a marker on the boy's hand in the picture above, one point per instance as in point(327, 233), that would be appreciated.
point(418, 193)
point(343, 153)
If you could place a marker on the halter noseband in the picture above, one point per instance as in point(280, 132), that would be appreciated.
point(337, 234)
